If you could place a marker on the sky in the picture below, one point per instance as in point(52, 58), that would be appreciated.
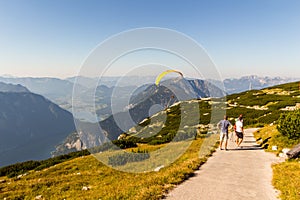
point(52, 38)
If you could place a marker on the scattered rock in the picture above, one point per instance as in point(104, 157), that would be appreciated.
point(285, 150)
point(274, 148)
point(85, 188)
point(295, 152)
point(78, 145)
point(282, 155)
point(2, 181)
point(21, 175)
point(159, 168)
point(39, 197)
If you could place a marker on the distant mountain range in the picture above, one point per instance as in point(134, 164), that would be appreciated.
point(30, 125)
point(236, 85)
point(51, 88)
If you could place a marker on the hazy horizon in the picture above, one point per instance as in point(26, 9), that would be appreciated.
point(95, 77)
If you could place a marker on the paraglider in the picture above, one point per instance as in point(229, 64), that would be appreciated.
point(160, 76)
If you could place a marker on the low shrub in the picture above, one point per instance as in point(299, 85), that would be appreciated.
point(124, 158)
point(21, 168)
point(289, 124)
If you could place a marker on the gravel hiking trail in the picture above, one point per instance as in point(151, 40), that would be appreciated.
point(239, 173)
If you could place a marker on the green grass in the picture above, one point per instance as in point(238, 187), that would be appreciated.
point(65, 180)
point(273, 98)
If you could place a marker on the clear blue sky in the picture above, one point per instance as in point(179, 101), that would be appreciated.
point(243, 37)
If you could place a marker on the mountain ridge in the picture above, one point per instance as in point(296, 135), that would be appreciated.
point(4, 87)
point(30, 126)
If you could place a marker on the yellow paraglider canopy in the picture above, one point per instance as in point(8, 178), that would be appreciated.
point(160, 76)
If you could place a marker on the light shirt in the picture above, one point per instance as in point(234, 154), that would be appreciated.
point(239, 126)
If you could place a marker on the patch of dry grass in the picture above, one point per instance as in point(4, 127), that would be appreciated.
point(269, 136)
point(286, 178)
point(66, 180)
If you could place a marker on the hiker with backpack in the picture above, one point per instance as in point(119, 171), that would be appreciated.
point(224, 126)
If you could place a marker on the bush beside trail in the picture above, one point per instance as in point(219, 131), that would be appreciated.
point(289, 124)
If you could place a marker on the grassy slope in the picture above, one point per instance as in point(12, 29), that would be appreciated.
point(259, 107)
point(271, 99)
point(286, 175)
point(64, 181)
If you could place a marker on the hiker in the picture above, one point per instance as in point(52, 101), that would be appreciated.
point(239, 130)
point(224, 125)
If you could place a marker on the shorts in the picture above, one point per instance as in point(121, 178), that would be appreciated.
point(239, 134)
point(223, 135)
